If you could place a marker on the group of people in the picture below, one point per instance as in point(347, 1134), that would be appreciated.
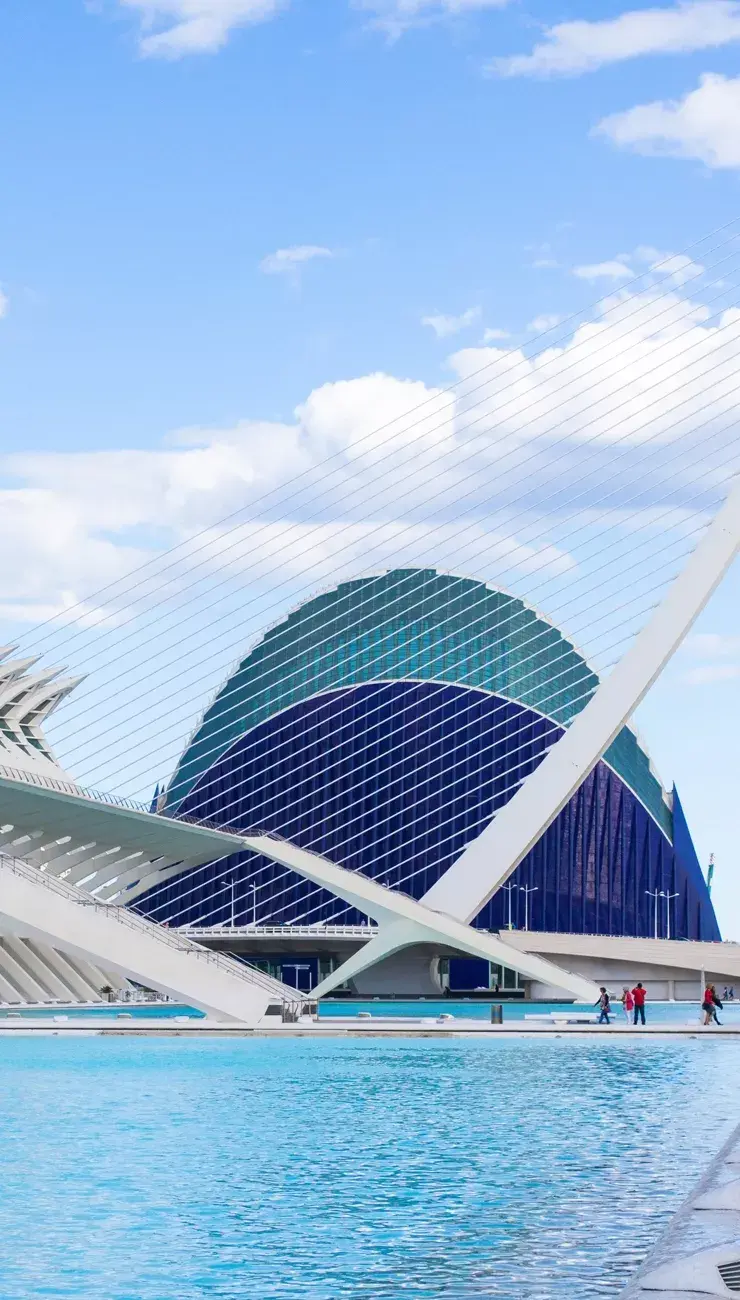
point(633, 1004)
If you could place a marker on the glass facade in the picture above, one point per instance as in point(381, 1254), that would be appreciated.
point(383, 724)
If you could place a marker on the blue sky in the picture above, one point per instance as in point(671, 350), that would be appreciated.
point(214, 208)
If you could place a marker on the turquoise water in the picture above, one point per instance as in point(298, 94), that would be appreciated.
point(655, 1012)
point(239, 1169)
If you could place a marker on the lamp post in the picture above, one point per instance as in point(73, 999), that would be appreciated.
point(509, 889)
point(667, 896)
point(254, 903)
point(232, 882)
point(655, 893)
point(527, 890)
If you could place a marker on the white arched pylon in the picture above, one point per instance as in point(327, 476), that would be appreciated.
point(488, 860)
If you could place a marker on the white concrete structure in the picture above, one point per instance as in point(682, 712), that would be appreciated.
point(51, 835)
point(26, 700)
point(490, 859)
point(40, 907)
point(674, 969)
point(117, 852)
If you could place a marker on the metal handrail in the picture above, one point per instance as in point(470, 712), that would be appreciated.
point(284, 931)
point(120, 801)
point(124, 915)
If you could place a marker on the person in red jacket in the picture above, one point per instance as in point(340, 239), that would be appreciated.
point(639, 994)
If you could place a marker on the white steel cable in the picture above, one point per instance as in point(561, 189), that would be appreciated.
point(543, 438)
point(539, 399)
point(633, 431)
point(283, 665)
point(545, 633)
point(563, 327)
point(552, 727)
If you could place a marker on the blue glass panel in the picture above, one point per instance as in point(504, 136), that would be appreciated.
point(394, 779)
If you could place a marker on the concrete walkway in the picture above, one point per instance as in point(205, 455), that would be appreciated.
point(339, 1027)
point(699, 1255)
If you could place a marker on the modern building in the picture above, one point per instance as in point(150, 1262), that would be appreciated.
point(382, 724)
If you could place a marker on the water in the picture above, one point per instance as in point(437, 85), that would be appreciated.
point(680, 1013)
point(247, 1169)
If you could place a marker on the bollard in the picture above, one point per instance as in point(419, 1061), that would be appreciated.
point(497, 1013)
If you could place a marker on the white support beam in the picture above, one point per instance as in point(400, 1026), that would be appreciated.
point(404, 921)
point(492, 857)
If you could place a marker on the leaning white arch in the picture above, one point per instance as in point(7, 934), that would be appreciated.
point(492, 857)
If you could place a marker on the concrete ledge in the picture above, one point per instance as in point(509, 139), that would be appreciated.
point(702, 1237)
point(338, 1027)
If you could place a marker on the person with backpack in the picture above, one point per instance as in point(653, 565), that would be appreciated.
point(639, 993)
point(604, 1006)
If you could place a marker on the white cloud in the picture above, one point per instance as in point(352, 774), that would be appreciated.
point(712, 645)
point(677, 267)
point(673, 268)
point(394, 17)
point(547, 321)
point(704, 125)
point(648, 370)
point(173, 28)
point(603, 271)
point(709, 673)
point(581, 46)
point(649, 366)
point(495, 336)
point(288, 261)
point(444, 326)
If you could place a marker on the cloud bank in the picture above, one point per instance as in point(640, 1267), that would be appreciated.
point(575, 47)
point(704, 125)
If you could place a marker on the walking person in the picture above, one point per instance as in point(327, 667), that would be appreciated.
point(715, 1004)
point(628, 1004)
point(707, 1005)
point(604, 1006)
point(639, 993)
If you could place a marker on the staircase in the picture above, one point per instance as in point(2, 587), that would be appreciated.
point(40, 906)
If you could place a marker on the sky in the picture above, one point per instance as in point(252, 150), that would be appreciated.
point(237, 236)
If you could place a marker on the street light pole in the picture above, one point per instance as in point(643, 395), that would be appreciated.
point(233, 910)
point(527, 890)
point(254, 903)
point(667, 896)
point(509, 889)
point(655, 893)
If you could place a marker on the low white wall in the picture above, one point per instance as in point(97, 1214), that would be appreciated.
point(663, 983)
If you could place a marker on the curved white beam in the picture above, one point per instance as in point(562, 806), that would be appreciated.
point(489, 859)
point(404, 921)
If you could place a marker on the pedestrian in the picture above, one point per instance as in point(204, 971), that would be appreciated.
point(628, 1004)
point(725, 995)
point(638, 995)
point(707, 1005)
point(731, 994)
point(715, 1003)
point(604, 1006)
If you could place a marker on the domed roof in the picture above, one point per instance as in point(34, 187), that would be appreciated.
point(408, 624)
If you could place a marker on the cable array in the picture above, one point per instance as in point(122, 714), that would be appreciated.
point(576, 480)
